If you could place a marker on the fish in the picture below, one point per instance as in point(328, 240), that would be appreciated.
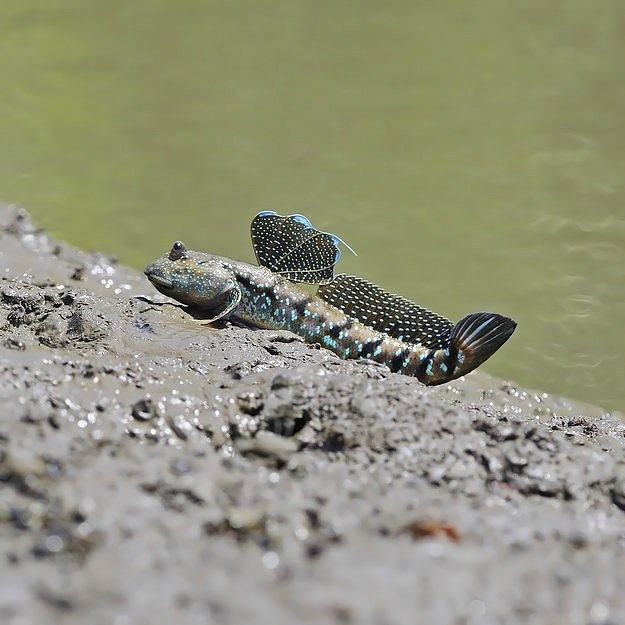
point(348, 315)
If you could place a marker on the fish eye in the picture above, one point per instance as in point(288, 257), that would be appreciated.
point(177, 250)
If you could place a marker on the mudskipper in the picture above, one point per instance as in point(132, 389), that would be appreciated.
point(348, 315)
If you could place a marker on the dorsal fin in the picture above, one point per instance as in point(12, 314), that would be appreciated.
point(292, 247)
point(386, 312)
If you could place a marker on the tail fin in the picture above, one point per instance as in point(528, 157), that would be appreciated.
point(477, 337)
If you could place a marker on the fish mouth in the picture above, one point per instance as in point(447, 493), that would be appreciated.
point(158, 281)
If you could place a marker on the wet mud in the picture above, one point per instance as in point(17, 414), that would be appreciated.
point(155, 470)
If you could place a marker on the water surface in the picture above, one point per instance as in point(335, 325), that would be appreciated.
point(472, 153)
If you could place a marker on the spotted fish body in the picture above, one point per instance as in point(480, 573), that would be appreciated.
point(274, 303)
point(348, 316)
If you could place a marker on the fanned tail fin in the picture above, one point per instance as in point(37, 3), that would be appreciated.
point(477, 337)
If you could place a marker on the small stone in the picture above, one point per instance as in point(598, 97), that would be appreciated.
point(250, 403)
point(78, 273)
point(280, 381)
point(144, 410)
point(12, 342)
point(268, 444)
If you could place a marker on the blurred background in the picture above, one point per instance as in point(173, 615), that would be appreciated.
point(472, 153)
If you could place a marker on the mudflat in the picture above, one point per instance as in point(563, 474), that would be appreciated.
point(154, 470)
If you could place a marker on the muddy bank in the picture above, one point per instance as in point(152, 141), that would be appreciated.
point(153, 470)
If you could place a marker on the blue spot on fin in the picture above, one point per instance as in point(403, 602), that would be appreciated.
point(301, 219)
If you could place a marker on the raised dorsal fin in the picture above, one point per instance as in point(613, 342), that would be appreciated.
point(292, 247)
point(386, 312)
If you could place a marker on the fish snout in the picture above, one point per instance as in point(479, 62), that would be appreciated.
point(149, 270)
point(156, 276)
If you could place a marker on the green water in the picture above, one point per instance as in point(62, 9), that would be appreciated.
point(472, 153)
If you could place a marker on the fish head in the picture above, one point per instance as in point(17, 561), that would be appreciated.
point(193, 278)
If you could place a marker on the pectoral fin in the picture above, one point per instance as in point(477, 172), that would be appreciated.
point(224, 305)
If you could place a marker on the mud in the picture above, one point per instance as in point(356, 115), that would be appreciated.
point(154, 470)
